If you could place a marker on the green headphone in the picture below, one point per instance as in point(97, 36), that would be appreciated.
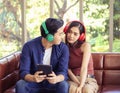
point(49, 36)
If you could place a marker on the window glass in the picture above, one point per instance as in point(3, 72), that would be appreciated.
point(116, 25)
point(96, 18)
point(10, 26)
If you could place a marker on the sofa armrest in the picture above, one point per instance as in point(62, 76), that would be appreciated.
point(9, 73)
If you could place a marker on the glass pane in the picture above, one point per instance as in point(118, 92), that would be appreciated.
point(37, 12)
point(116, 29)
point(96, 18)
point(10, 26)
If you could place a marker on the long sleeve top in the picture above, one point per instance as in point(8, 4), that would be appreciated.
point(33, 52)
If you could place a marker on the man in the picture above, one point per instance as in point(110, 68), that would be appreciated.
point(46, 49)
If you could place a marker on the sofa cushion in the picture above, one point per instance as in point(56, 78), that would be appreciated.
point(10, 90)
point(111, 77)
point(98, 76)
point(111, 69)
point(111, 89)
point(98, 67)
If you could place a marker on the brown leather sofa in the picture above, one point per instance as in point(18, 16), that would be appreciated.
point(106, 67)
point(107, 71)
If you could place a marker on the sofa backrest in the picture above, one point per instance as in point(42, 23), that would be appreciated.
point(9, 71)
point(107, 68)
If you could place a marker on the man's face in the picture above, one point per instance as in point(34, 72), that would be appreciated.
point(58, 36)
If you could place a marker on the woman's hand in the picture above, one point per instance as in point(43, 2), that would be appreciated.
point(79, 90)
point(52, 78)
point(38, 77)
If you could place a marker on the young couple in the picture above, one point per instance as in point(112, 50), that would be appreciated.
point(72, 65)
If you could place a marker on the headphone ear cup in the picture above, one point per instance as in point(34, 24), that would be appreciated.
point(65, 29)
point(50, 37)
point(82, 37)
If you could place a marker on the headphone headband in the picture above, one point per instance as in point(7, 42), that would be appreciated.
point(45, 28)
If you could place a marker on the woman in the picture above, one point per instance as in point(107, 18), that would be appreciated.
point(81, 71)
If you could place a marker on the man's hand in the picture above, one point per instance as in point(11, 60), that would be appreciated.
point(52, 78)
point(38, 77)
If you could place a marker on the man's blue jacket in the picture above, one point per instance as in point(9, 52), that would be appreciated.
point(33, 52)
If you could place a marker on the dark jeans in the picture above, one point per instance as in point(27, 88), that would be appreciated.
point(29, 87)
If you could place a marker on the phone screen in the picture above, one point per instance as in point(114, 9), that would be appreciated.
point(47, 69)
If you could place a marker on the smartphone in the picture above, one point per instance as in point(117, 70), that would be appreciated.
point(47, 69)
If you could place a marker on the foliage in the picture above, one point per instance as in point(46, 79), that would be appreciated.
point(8, 47)
point(116, 45)
point(96, 20)
point(96, 16)
point(117, 19)
point(11, 24)
point(99, 44)
point(62, 7)
point(37, 12)
point(10, 27)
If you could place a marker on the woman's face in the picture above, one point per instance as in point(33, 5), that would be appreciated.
point(58, 36)
point(73, 35)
